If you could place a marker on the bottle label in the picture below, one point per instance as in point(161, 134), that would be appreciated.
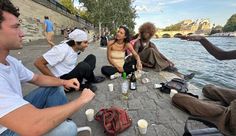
point(133, 85)
point(124, 87)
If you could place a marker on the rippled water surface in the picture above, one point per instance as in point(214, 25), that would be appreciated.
point(190, 56)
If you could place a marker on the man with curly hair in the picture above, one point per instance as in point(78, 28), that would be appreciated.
point(148, 52)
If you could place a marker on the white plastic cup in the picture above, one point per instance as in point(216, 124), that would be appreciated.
point(90, 114)
point(145, 80)
point(110, 87)
point(173, 92)
point(87, 128)
point(142, 126)
point(157, 86)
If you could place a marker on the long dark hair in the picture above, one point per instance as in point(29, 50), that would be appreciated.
point(127, 35)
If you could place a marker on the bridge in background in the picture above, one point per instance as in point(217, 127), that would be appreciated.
point(170, 34)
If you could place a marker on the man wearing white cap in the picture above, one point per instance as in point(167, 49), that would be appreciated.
point(61, 61)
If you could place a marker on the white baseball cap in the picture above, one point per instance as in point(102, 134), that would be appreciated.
point(78, 35)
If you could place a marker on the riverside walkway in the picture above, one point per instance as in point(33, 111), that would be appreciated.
point(145, 103)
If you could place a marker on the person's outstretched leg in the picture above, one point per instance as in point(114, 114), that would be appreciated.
point(197, 107)
point(44, 97)
point(216, 93)
point(224, 118)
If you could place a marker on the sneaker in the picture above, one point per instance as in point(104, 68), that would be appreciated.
point(98, 79)
point(89, 86)
point(189, 77)
point(70, 90)
point(171, 69)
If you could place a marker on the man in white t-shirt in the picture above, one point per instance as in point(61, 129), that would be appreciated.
point(62, 61)
point(45, 110)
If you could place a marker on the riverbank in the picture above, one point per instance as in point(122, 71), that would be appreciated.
point(225, 34)
point(146, 102)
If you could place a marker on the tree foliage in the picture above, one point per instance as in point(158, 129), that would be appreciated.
point(111, 13)
point(70, 6)
point(217, 29)
point(175, 27)
point(231, 24)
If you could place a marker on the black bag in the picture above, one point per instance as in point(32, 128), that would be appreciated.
point(178, 84)
point(211, 129)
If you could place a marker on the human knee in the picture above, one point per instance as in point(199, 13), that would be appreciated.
point(177, 98)
point(66, 128)
point(151, 50)
point(57, 90)
point(91, 56)
point(104, 70)
point(61, 90)
point(207, 89)
point(84, 66)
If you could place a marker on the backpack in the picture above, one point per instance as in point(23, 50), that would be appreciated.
point(114, 120)
point(178, 84)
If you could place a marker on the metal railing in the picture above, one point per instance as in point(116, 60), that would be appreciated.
point(54, 5)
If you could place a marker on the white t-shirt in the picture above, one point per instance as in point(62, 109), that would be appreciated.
point(61, 59)
point(11, 77)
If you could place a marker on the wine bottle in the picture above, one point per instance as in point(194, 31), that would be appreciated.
point(133, 82)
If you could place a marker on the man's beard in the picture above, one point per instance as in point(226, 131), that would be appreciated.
point(145, 39)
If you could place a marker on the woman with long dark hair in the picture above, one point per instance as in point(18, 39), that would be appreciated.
point(116, 54)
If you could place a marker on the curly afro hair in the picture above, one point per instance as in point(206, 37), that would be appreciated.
point(147, 27)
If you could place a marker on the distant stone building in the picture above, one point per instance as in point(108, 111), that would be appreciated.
point(202, 26)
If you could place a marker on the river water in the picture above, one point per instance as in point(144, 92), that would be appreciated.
point(189, 56)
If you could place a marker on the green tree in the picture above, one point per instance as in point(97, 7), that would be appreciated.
point(231, 24)
point(111, 13)
point(217, 29)
point(175, 27)
point(70, 6)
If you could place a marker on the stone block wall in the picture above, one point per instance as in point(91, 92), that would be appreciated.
point(32, 17)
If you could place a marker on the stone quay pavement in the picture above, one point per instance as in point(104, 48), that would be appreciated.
point(145, 103)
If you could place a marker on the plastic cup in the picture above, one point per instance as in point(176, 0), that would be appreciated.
point(110, 87)
point(173, 92)
point(142, 126)
point(157, 86)
point(90, 114)
point(145, 80)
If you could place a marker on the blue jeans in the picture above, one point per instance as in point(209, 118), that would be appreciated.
point(44, 97)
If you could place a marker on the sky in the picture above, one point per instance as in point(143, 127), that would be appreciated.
point(166, 12)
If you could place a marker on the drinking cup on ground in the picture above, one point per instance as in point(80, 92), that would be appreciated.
point(173, 92)
point(110, 87)
point(142, 126)
point(90, 114)
point(156, 86)
point(86, 128)
point(145, 80)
